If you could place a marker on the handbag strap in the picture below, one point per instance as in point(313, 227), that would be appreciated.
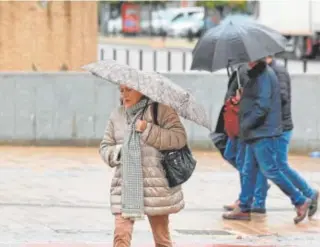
point(144, 109)
point(155, 107)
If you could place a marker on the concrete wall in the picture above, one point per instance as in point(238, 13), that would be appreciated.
point(59, 35)
point(72, 108)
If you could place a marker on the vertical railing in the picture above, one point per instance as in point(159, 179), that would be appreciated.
point(141, 60)
point(168, 60)
point(127, 57)
point(114, 54)
point(101, 54)
point(184, 61)
point(154, 60)
point(305, 67)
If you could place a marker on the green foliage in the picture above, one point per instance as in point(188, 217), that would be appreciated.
point(239, 5)
point(117, 2)
point(153, 2)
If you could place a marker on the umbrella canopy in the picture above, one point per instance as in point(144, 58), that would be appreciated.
point(232, 43)
point(153, 85)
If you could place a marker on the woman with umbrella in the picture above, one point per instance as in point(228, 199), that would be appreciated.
point(134, 143)
point(148, 189)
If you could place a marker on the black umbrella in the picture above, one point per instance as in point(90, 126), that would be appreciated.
point(233, 43)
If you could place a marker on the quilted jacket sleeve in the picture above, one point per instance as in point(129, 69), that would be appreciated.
point(109, 150)
point(170, 134)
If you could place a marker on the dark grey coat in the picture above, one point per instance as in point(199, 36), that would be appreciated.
point(219, 136)
point(285, 91)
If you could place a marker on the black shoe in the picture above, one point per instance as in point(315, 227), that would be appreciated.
point(258, 210)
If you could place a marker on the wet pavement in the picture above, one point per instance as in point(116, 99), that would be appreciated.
point(60, 197)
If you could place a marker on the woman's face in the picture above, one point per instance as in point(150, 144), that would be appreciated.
point(129, 96)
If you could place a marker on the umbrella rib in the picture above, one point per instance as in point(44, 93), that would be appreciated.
point(218, 40)
point(272, 37)
point(244, 44)
point(270, 33)
point(265, 32)
point(208, 33)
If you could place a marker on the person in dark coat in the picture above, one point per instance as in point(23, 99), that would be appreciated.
point(260, 127)
point(284, 140)
point(219, 136)
point(234, 151)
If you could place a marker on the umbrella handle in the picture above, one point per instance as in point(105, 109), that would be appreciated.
point(228, 71)
point(238, 78)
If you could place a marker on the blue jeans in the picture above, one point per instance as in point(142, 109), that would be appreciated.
point(264, 153)
point(235, 154)
point(294, 176)
point(261, 188)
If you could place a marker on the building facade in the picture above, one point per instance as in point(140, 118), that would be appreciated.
point(47, 35)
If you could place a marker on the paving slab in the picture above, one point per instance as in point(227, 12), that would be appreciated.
point(60, 197)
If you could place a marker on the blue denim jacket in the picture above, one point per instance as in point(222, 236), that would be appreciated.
point(260, 105)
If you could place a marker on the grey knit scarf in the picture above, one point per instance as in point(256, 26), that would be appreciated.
point(132, 177)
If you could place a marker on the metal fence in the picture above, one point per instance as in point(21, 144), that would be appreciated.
point(174, 60)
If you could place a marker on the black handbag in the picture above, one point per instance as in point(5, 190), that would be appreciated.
point(178, 164)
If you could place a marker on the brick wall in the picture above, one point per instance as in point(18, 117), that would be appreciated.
point(62, 35)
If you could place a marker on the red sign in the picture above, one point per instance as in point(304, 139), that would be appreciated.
point(130, 14)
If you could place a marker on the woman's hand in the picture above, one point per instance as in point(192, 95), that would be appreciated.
point(141, 125)
point(235, 100)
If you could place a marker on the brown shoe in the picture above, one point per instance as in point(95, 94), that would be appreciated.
point(314, 205)
point(237, 214)
point(302, 211)
point(231, 207)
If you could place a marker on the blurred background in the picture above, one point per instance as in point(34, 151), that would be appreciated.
point(47, 99)
point(150, 35)
point(187, 20)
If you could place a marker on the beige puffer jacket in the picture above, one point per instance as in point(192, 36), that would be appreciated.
point(159, 199)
